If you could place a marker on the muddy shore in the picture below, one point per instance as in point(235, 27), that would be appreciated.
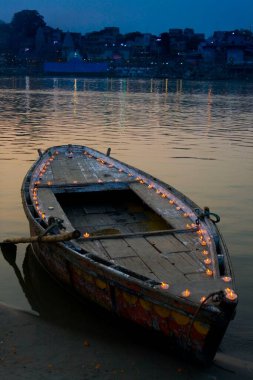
point(33, 347)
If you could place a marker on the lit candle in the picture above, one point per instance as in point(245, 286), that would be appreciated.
point(164, 285)
point(226, 278)
point(186, 293)
point(230, 294)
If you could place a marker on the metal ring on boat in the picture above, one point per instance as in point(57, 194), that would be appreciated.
point(216, 216)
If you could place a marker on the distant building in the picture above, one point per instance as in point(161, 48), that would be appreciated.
point(76, 66)
point(235, 56)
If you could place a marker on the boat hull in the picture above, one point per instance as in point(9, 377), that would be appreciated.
point(196, 329)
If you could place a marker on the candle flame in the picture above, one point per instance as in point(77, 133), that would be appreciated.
point(226, 278)
point(164, 285)
point(209, 272)
point(230, 294)
point(186, 293)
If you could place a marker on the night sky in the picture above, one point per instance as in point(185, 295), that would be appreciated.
point(146, 16)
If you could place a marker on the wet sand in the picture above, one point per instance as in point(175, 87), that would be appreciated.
point(33, 347)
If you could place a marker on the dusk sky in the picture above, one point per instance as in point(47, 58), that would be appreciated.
point(146, 16)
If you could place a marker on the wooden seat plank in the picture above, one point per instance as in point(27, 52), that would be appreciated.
point(160, 205)
point(51, 207)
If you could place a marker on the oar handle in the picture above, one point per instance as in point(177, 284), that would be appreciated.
point(65, 236)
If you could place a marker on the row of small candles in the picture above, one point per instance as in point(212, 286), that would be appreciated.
point(186, 293)
point(204, 239)
point(38, 177)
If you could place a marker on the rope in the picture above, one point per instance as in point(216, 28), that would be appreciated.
point(219, 295)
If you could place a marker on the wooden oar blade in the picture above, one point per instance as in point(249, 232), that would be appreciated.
point(9, 251)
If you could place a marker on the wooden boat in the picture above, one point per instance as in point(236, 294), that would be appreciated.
point(146, 252)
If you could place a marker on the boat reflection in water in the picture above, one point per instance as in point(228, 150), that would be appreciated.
point(42, 293)
point(49, 299)
point(53, 303)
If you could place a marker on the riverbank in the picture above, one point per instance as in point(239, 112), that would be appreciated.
point(32, 347)
point(186, 71)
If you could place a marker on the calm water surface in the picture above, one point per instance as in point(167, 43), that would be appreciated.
point(197, 136)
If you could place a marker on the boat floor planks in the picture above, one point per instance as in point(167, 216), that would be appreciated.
point(166, 243)
point(132, 263)
point(172, 264)
point(162, 268)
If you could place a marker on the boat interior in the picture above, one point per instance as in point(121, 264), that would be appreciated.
point(122, 220)
point(110, 212)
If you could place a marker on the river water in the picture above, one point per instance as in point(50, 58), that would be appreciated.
point(197, 136)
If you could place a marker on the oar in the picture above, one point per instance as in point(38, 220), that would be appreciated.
point(65, 236)
point(9, 252)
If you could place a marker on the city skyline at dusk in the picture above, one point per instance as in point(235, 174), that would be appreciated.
point(145, 16)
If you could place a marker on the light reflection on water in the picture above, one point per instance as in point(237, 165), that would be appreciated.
point(197, 136)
